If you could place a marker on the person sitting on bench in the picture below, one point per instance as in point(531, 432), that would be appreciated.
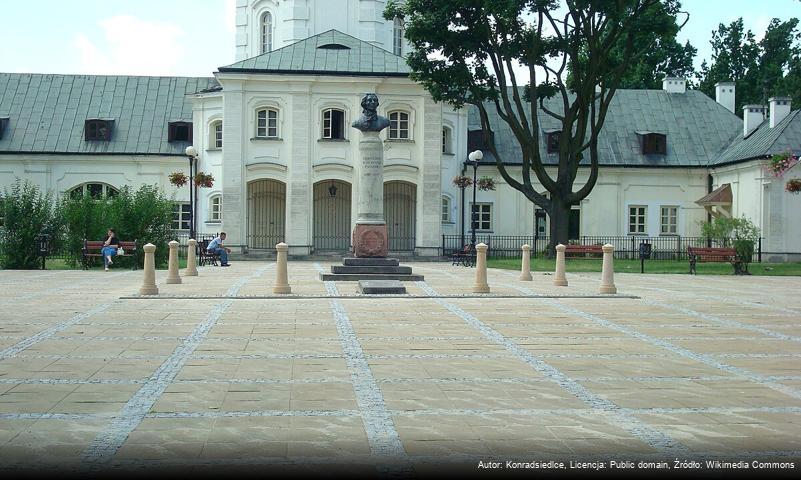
point(216, 246)
point(110, 247)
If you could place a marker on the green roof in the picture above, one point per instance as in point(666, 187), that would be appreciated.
point(697, 129)
point(329, 53)
point(47, 113)
point(765, 141)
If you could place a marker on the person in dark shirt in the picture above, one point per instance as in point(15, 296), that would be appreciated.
point(110, 247)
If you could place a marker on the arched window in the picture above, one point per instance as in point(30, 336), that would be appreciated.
point(266, 32)
point(446, 209)
point(94, 190)
point(446, 140)
point(397, 37)
point(399, 125)
point(216, 134)
point(267, 123)
point(215, 208)
point(334, 124)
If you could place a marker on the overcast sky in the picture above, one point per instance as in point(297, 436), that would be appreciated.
point(194, 37)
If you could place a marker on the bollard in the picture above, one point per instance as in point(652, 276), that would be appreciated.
point(525, 270)
point(481, 285)
point(172, 264)
point(608, 270)
point(559, 278)
point(281, 278)
point(191, 259)
point(149, 285)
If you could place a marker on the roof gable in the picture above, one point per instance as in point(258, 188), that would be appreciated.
point(331, 53)
point(765, 141)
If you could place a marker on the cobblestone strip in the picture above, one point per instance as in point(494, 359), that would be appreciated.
point(662, 343)
point(384, 440)
point(106, 443)
point(615, 414)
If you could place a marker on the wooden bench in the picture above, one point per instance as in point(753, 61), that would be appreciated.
point(583, 251)
point(466, 256)
point(205, 257)
point(719, 255)
point(91, 250)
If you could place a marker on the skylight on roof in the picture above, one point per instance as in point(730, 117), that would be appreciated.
point(334, 46)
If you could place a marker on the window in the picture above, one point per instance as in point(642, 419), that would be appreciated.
point(181, 216)
point(482, 216)
point(334, 124)
point(446, 209)
point(540, 222)
point(553, 141)
point(3, 123)
point(637, 220)
point(94, 190)
point(266, 32)
point(215, 208)
point(397, 37)
point(267, 123)
point(446, 140)
point(216, 130)
point(179, 132)
point(98, 130)
point(654, 143)
point(669, 221)
point(398, 125)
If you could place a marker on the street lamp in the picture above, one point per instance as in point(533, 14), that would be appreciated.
point(191, 152)
point(473, 159)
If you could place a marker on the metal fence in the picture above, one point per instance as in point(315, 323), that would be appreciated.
point(626, 247)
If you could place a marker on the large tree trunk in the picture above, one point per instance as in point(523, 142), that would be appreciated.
point(560, 225)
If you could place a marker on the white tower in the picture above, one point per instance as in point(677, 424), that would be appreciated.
point(266, 25)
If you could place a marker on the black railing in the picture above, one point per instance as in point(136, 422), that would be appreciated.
point(331, 243)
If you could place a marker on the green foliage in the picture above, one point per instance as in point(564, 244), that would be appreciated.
point(27, 212)
point(740, 233)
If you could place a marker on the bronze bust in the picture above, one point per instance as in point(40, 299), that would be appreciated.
point(370, 121)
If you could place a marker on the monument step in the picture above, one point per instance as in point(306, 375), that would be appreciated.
point(353, 277)
point(370, 262)
point(378, 287)
point(370, 269)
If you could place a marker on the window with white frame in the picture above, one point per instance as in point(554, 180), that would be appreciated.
point(482, 214)
point(94, 190)
point(398, 125)
point(267, 123)
point(215, 208)
point(669, 220)
point(333, 124)
point(446, 140)
point(397, 37)
point(181, 216)
point(216, 134)
point(446, 209)
point(266, 32)
point(637, 219)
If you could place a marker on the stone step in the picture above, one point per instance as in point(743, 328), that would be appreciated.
point(370, 270)
point(378, 287)
point(370, 262)
point(354, 277)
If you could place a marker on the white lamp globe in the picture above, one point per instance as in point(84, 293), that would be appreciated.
point(191, 151)
point(476, 156)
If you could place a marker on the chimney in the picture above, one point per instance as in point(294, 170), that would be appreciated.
point(724, 95)
point(674, 85)
point(779, 108)
point(753, 115)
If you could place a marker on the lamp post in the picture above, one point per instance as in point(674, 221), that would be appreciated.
point(191, 152)
point(473, 159)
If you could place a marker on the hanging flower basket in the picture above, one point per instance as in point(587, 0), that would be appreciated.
point(793, 186)
point(462, 182)
point(779, 164)
point(204, 180)
point(179, 179)
point(486, 183)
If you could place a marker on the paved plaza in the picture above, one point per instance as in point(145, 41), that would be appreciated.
point(217, 371)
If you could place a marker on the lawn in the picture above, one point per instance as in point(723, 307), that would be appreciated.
point(651, 266)
point(59, 264)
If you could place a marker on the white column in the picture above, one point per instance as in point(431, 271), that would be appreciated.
point(608, 270)
point(559, 278)
point(191, 259)
point(281, 278)
point(172, 272)
point(149, 284)
point(371, 180)
point(481, 285)
point(525, 269)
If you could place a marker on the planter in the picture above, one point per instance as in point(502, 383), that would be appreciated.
point(204, 180)
point(486, 183)
point(179, 179)
point(461, 181)
point(793, 186)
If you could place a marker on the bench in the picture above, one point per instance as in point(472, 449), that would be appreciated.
point(204, 257)
point(91, 250)
point(583, 251)
point(719, 255)
point(466, 256)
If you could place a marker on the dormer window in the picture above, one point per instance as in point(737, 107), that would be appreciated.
point(3, 123)
point(552, 140)
point(179, 132)
point(98, 130)
point(653, 143)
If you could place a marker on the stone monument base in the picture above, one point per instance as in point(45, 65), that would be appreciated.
point(356, 269)
point(370, 241)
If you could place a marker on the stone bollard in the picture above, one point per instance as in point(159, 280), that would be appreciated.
point(281, 278)
point(608, 270)
point(172, 264)
point(559, 278)
point(525, 269)
point(191, 259)
point(149, 285)
point(481, 285)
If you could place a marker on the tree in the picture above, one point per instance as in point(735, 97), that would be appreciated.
point(465, 52)
point(27, 213)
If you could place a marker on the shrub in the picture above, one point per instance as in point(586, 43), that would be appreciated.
point(27, 212)
point(738, 232)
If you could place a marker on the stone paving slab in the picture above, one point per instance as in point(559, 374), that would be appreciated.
point(219, 372)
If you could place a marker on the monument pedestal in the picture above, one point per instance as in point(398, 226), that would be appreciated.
point(370, 241)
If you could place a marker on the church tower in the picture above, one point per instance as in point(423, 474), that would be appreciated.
point(266, 25)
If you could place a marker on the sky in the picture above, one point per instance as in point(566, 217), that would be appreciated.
point(194, 37)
